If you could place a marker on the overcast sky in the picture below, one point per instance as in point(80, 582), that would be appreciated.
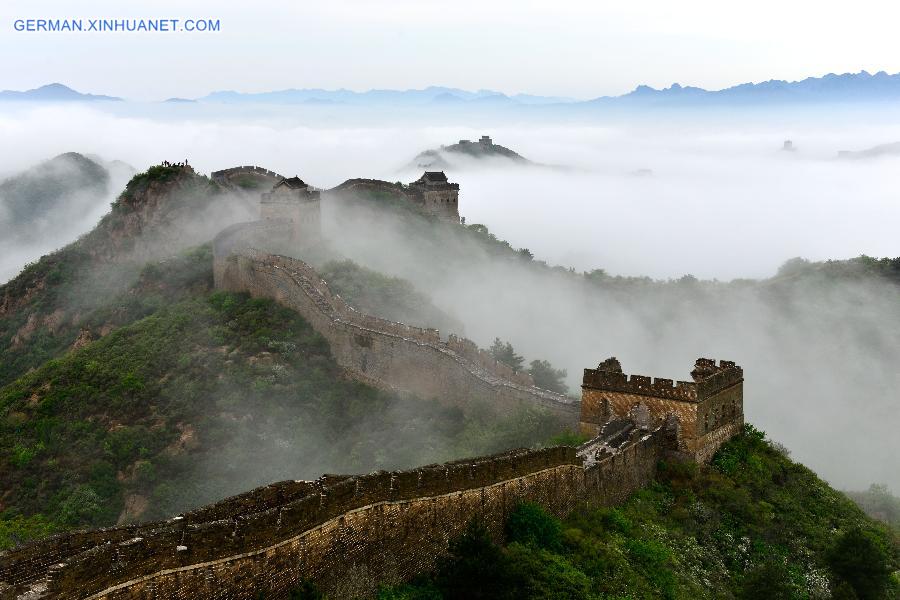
point(574, 48)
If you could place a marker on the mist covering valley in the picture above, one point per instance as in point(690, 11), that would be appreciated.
point(723, 203)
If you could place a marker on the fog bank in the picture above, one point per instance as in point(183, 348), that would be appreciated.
point(723, 201)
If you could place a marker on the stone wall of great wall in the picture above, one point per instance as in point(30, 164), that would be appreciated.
point(359, 184)
point(347, 534)
point(379, 352)
point(228, 177)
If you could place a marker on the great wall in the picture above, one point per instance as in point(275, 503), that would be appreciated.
point(382, 353)
point(349, 534)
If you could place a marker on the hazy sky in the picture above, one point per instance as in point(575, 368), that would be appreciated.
point(575, 48)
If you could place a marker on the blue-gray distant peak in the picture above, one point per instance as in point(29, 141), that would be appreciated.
point(54, 92)
point(861, 86)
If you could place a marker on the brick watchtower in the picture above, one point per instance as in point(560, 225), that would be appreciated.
point(437, 195)
point(710, 409)
point(292, 200)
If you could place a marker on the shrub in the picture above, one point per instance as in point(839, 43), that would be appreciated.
point(82, 505)
point(862, 559)
point(476, 568)
point(530, 524)
point(568, 438)
point(770, 580)
point(19, 530)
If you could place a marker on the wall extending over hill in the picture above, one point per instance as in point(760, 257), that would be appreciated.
point(247, 176)
point(375, 188)
point(379, 352)
point(347, 534)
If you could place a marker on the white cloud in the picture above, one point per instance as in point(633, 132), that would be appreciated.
point(724, 202)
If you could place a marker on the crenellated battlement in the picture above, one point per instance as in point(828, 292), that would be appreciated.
point(659, 387)
point(709, 379)
point(225, 176)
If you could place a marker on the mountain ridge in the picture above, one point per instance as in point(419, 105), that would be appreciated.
point(843, 87)
point(54, 92)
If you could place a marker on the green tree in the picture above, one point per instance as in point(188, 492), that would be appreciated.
point(770, 580)
point(529, 523)
point(547, 377)
point(476, 568)
point(862, 559)
point(83, 505)
point(504, 352)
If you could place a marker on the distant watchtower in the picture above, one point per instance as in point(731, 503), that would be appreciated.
point(437, 195)
point(292, 200)
point(486, 141)
point(710, 409)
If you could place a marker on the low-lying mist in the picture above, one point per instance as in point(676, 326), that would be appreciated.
point(660, 196)
point(819, 353)
point(663, 197)
point(52, 203)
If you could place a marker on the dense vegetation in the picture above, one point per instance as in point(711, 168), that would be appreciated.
point(753, 525)
point(158, 174)
point(45, 308)
point(68, 283)
point(199, 395)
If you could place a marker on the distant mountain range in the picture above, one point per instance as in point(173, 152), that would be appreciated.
point(848, 87)
point(54, 92)
point(429, 95)
point(861, 86)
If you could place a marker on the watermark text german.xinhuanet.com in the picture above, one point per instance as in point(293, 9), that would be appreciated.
point(116, 25)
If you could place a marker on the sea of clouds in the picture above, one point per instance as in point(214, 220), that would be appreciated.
point(722, 201)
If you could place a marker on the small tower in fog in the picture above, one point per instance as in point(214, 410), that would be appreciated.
point(437, 195)
point(292, 200)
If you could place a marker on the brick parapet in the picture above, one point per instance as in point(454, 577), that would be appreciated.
point(395, 524)
point(640, 384)
point(224, 175)
point(726, 375)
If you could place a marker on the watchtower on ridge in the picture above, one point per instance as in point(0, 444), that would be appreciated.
point(293, 200)
point(437, 195)
point(710, 409)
